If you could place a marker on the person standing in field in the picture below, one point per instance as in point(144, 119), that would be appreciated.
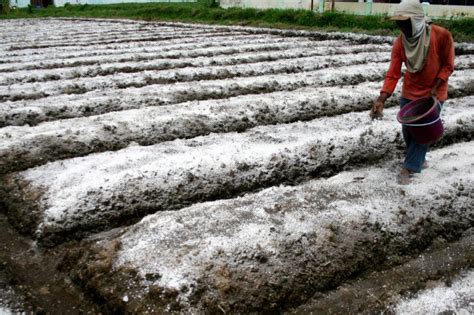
point(427, 51)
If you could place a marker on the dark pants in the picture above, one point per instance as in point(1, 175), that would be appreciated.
point(415, 153)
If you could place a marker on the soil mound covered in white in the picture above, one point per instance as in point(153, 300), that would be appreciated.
point(155, 158)
point(253, 253)
point(100, 190)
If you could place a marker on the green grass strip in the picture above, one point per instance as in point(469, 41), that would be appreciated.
point(205, 12)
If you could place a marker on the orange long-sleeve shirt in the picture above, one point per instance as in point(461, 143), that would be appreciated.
point(439, 64)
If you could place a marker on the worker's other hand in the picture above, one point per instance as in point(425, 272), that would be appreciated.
point(377, 110)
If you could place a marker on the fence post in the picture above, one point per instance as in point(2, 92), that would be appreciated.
point(426, 7)
point(322, 4)
point(368, 7)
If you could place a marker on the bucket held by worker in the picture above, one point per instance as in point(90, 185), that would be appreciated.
point(422, 119)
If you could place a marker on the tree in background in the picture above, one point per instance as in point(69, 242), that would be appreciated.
point(210, 3)
point(4, 6)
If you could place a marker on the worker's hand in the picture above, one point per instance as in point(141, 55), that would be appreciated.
point(377, 109)
point(434, 92)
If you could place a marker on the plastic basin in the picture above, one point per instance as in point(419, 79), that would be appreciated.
point(422, 119)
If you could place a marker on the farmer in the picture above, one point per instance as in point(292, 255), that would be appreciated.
point(428, 53)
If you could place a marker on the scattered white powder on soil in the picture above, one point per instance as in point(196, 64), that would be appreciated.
point(75, 189)
point(190, 239)
point(458, 298)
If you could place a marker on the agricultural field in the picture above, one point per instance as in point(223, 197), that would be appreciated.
point(152, 167)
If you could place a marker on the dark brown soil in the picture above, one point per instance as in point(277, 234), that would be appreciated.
point(375, 291)
point(30, 281)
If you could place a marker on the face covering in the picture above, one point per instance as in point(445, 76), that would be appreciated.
point(417, 46)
